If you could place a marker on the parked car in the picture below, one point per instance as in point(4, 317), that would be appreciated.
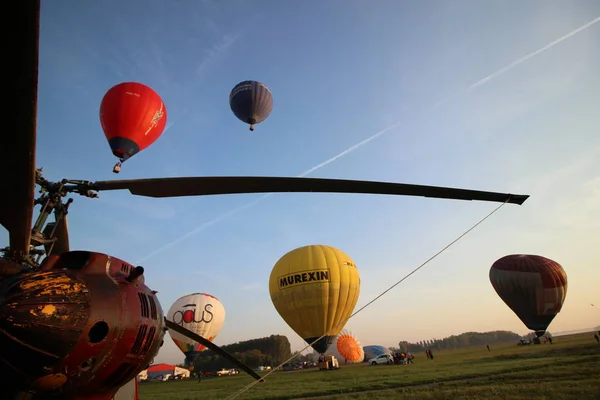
point(227, 372)
point(381, 359)
point(288, 367)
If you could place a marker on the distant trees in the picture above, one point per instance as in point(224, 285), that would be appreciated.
point(275, 349)
point(403, 346)
point(466, 339)
point(267, 351)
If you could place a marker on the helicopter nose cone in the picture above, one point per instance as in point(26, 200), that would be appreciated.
point(42, 315)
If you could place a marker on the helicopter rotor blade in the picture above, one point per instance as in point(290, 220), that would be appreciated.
point(17, 153)
point(214, 185)
point(210, 345)
point(60, 231)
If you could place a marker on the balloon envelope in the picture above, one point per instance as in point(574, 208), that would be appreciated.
point(349, 348)
point(314, 289)
point(346, 348)
point(132, 116)
point(534, 287)
point(251, 102)
point(200, 313)
point(373, 351)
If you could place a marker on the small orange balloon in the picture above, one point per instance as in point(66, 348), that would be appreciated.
point(349, 347)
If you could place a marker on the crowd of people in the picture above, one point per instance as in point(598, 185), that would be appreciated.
point(402, 358)
point(408, 358)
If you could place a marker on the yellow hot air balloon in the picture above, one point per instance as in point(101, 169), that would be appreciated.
point(314, 289)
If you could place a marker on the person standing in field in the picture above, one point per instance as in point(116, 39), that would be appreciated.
point(430, 354)
point(488, 347)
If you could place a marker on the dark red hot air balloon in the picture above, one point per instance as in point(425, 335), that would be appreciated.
point(534, 287)
point(133, 116)
point(251, 102)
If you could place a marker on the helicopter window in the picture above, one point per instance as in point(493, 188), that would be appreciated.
point(98, 332)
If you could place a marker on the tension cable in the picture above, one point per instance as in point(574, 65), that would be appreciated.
point(251, 384)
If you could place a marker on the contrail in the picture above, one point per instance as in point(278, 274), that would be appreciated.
point(234, 211)
point(517, 62)
point(349, 150)
point(203, 226)
point(533, 54)
point(357, 146)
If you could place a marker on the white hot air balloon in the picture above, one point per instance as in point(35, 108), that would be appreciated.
point(200, 313)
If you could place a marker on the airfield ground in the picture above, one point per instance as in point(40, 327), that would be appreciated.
point(567, 369)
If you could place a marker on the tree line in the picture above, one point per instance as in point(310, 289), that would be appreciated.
point(268, 351)
point(275, 349)
point(467, 339)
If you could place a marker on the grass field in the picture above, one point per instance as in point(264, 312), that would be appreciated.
point(567, 369)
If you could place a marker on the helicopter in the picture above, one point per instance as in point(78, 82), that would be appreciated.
point(80, 325)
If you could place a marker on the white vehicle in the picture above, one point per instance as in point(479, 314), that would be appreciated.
point(226, 372)
point(381, 359)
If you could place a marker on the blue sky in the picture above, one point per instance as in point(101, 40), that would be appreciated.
point(340, 72)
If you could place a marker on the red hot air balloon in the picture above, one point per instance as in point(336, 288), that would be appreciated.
point(534, 287)
point(133, 116)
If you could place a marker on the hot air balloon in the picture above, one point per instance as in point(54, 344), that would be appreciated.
point(251, 102)
point(314, 289)
point(132, 116)
point(348, 348)
point(375, 350)
point(534, 287)
point(202, 314)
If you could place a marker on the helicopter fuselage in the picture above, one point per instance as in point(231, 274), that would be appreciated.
point(78, 327)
